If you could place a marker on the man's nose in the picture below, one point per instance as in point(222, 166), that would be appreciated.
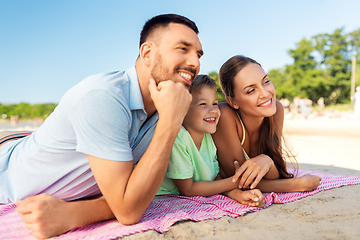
point(193, 60)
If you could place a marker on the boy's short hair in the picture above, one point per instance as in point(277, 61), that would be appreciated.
point(201, 81)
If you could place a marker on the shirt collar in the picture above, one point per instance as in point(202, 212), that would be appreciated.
point(135, 97)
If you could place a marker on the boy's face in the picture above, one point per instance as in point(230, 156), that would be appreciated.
point(204, 113)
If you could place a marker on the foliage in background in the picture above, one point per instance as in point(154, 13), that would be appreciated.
point(321, 68)
point(27, 111)
point(219, 93)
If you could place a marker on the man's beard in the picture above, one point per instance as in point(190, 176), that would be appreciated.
point(159, 73)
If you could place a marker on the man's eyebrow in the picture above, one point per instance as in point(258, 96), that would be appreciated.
point(200, 52)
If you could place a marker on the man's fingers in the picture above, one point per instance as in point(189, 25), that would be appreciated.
point(30, 203)
point(27, 218)
point(152, 86)
point(23, 208)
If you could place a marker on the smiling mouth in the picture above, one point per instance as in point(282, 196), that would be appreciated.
point(210, 120)
point(187, 77)
point(266, 104)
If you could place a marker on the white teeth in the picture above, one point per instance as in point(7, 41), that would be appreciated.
point(265, 103)
point(209, 119)
point(186, 76)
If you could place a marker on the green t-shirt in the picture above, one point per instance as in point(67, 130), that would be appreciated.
point(186, 161)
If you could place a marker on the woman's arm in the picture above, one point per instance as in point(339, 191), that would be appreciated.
point(227, 140)
point(229, 149)
point(299, 184)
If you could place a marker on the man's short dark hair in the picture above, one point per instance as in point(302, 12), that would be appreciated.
point(163, 21)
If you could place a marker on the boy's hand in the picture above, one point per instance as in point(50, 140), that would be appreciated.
point(253, 198)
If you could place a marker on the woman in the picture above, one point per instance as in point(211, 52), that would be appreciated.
point(250, 131)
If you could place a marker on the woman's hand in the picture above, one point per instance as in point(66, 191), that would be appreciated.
point(307, 182)
point(253, 170)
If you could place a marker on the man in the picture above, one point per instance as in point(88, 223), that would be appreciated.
point(108, 122)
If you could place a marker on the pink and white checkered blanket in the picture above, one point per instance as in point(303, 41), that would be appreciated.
point(165, 210)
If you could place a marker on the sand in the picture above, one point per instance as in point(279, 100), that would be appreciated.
point(329, 144)
point(325, 144)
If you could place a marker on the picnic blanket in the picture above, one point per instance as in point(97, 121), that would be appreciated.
point(166, 210)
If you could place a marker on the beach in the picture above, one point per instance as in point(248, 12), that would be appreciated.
point(328, 144)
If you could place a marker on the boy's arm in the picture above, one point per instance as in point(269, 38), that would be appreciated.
point(188, 187)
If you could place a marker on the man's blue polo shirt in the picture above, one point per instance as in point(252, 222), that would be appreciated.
point(102, 116)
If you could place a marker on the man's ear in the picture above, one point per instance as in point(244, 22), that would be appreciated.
point(145, 52)
point(231, 102)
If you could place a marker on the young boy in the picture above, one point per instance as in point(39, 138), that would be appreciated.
point(193, 166)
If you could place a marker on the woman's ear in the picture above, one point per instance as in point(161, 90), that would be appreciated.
point(145, 52)
point(231, 102)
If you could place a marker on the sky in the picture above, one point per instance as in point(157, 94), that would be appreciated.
point(46, 47)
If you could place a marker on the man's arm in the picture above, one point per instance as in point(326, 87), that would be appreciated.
point(46, 216)
point(127, 191)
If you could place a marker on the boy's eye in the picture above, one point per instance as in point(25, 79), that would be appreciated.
point(202, 104)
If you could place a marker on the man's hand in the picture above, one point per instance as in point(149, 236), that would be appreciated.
point(44, 216)
point(172, 100)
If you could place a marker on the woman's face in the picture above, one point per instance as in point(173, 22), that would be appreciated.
point(254, 94)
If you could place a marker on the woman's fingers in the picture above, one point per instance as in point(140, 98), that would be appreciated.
point(239, 171)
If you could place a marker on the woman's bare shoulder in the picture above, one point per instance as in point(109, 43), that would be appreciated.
point(226, 109)
point(279, 110)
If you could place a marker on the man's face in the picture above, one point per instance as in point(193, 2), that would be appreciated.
point(177, 55)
